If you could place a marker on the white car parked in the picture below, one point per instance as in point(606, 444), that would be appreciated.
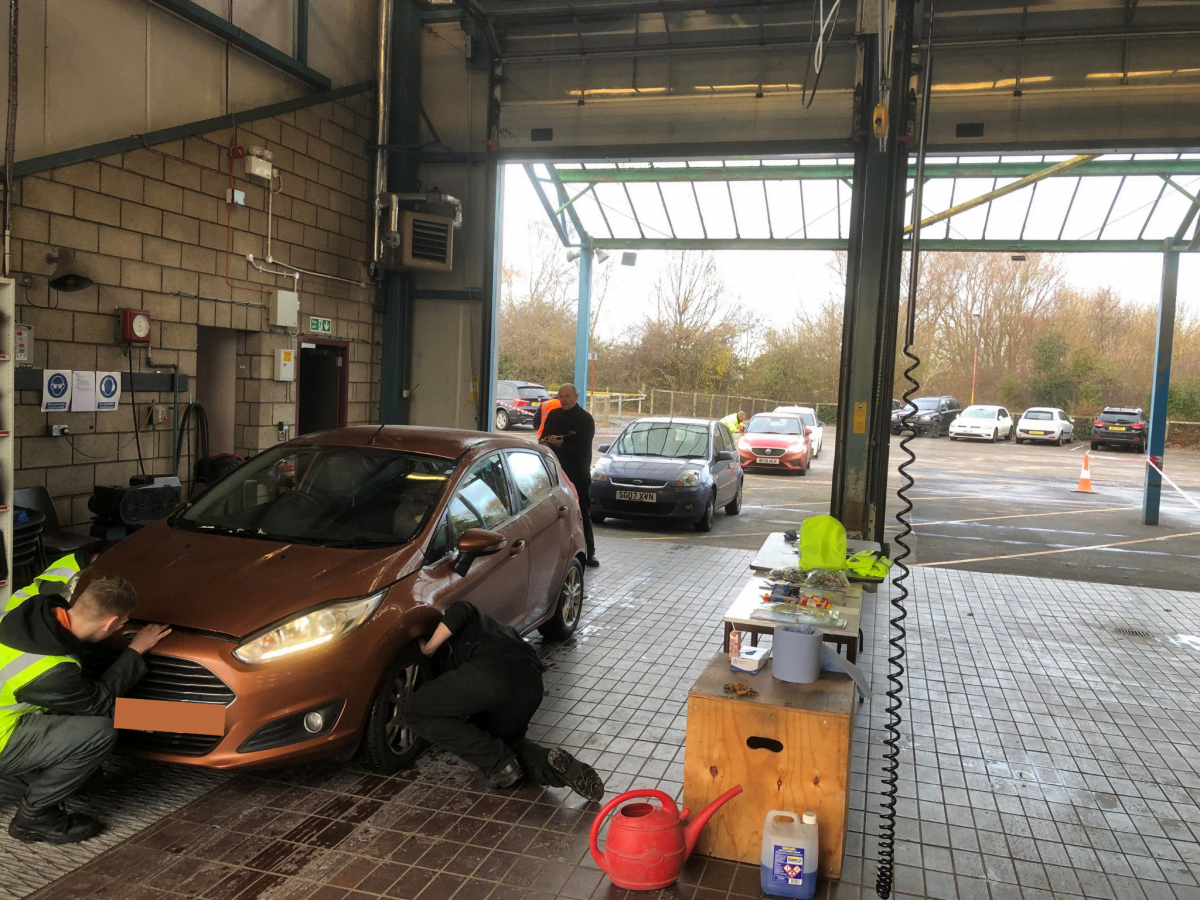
point(988, 423)
point(1048, 424)
point(808, 416)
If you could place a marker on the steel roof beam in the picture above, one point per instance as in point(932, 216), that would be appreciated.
point(1097, 167)
point(991, 245)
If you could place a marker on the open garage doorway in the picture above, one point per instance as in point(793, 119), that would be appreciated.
point(755, 247)
point(323, 385)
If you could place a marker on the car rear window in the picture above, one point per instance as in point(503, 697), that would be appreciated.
point(1119, 418)
point(328, 495)
point(1039, 414)
point(532, 393)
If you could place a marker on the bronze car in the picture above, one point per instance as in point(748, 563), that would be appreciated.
point(297, 585)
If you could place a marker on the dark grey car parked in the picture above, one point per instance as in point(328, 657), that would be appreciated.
point(933, 415)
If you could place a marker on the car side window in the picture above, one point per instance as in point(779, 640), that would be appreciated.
point(482, 500)
point(1004, 413)
point(730, 443)
point(507, 392)
point(530, 476)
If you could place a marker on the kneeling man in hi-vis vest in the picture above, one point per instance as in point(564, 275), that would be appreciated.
point(56, 724)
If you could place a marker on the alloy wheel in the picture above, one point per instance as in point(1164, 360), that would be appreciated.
point(399, 737)
point(572, 597)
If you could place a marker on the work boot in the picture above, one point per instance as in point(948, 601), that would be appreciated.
point(591, 562)
point(51, 824)
point(583, 779)
point(507, 777)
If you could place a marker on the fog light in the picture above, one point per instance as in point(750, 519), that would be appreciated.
point(314, 722)
point(688, 506)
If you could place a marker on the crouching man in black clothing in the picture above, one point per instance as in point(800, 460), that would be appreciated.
point(480, 707)
point(56, 725)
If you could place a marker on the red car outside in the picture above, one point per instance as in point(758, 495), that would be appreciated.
point(776, 442)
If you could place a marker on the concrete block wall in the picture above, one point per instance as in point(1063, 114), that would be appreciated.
point(151, 228)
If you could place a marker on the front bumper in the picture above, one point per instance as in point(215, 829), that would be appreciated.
point(962, 433)
point(671, 502)
point(347, 670)
point(917, 427)
point(792, 461)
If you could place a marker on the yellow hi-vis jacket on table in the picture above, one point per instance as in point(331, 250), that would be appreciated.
point(731, 422)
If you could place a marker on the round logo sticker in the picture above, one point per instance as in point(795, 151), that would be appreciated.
point(56, 387)
point(108, 387)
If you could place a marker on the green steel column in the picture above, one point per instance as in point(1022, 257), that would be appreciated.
point(873, 277)
point(1156, 441)
point(404, 129)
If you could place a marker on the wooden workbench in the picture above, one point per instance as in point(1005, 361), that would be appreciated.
point(847, 639)
point(799, 762)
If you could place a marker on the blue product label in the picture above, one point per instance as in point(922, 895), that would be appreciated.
point(788, 867)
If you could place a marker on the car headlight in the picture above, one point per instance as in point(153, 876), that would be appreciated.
point(796, 447)
point(310, 629)
point(688, 478)
point(743, 444)
point(925, 419)
point(600, 471)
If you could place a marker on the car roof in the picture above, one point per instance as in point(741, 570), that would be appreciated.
point(779, 413)
point(984, 406)
point(1043, 409)
point(521, 383)
point(679, 420)
point(446, 443)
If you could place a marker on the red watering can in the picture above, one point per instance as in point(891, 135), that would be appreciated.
point(647, 844)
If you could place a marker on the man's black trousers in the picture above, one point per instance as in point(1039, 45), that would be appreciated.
point(480, 712)
point(583, 484)
point(48, 758)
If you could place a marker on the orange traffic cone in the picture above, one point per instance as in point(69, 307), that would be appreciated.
point(1085, 477)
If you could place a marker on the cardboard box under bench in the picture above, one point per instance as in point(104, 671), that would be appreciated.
point(788, 747)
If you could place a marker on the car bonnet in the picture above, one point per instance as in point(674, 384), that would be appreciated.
point(236, 585)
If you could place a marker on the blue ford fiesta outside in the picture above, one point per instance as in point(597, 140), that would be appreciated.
point(668, 468)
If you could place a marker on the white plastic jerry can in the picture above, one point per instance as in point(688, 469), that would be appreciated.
point(789, 854)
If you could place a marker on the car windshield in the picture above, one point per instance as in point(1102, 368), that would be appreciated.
point(979, 412)
point(774, 425)
point(332, 496)
point(672, 439)
point(1039, 414)
point(1119, 418)
point(532, 393)
point(927, 402)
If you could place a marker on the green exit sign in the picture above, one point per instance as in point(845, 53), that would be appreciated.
point(317, 325)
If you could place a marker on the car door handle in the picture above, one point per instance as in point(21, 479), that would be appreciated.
point(516, 548)
point(562, 511)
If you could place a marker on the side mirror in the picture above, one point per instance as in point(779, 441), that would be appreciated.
point(476, 542)
point(724, 456)
point(604, 448)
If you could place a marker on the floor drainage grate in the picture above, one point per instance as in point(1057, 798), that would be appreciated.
point(1131, 631)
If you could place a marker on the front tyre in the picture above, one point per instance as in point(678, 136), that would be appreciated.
point(996, 436)
point(565, 620)
point(705, 522)
point(387, 744)
point(502, 422)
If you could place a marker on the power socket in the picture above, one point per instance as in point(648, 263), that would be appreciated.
point(59, 430)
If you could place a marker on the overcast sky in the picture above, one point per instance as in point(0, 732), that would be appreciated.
point(775, 284)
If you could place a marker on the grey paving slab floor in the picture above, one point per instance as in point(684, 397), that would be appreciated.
point(1050, 749)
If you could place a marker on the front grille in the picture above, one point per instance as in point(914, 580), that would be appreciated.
point(169, 742)
point(767, 451)
point(169, 678)
point(640, 483)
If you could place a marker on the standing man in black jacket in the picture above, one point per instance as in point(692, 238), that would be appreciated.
point(480, 707)
point(56, 725)
point(569, 431)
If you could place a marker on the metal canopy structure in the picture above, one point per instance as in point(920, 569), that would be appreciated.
point(1110, 203)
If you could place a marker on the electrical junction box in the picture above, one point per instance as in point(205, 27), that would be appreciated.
point(285, 365)
point(284, 309)
point(24, 343)
point(258, 166)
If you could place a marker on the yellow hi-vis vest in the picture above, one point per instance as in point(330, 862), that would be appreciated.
point(731, 422)
point(17, 669)
point(59, 572)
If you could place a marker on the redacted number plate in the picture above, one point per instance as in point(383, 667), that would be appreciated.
point(641, 496)
point(1116, 427)
point(1037, 432)
point(766, 461)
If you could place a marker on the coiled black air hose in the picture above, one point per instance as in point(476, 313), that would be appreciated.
point(891, 755)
